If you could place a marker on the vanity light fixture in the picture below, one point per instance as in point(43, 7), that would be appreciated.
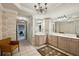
point(64, 16)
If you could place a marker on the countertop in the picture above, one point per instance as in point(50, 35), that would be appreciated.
point(61, 34)
point(65, 35)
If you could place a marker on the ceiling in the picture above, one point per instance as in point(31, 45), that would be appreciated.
point(54, 9)
point(13, 7)
point(31, 5)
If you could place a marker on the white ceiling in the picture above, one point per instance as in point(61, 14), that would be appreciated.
point(54, 8)
point(30, 6)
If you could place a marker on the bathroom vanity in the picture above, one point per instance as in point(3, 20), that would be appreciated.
point(66, 42)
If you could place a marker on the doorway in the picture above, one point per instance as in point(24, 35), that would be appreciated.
point(21, 30)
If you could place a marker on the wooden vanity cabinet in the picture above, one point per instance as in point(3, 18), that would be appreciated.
point(61, 43)
point(39, 40)
point(69, 45)
point(74, 46)
point(52, 40)
point(34, 41)
point(42, 39)
point(64, 43)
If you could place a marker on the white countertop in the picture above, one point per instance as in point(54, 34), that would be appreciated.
point(65, 35)
point(61, 34)
point(40, 33)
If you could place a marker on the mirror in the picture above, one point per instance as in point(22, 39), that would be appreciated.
point(39, 25)
point(71, 26)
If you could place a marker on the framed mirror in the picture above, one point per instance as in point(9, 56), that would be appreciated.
point(67, 27)
point(39, 26)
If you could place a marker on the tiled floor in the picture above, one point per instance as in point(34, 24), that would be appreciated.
point(26, 50)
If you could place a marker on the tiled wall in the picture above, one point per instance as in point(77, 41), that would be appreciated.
point(30, 29)
point(0, 22)
point(9, 25)
point(47, 26)
point(0, 25)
